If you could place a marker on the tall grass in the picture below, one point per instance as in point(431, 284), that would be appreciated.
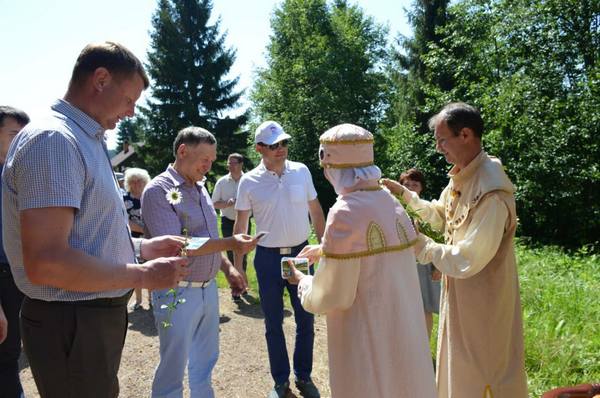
point(560, 297)
point(561, 314)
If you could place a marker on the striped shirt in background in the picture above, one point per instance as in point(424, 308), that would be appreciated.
point(61, 161)
point(195, 212)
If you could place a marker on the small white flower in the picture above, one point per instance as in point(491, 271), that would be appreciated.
point(174, 196)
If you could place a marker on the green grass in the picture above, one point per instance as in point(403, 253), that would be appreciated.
point(561, 314)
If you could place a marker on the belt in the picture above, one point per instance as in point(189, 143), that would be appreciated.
point(99, 302)
point(201, 284)
point(284, 250)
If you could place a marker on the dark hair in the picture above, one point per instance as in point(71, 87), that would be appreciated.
point(193, 136)
point(459, 115)
point(17, 114)
point(413, 174)
point(237, 157)
point(117, 59)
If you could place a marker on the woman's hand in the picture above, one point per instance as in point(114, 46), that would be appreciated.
point(312, 252)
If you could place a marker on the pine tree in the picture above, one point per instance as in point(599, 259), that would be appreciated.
point(407, 132)
point(187, 63)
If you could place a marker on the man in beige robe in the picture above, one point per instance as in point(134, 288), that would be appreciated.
point(367, 282)
point(480, 339)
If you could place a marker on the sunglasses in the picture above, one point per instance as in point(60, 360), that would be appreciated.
point(282, 144)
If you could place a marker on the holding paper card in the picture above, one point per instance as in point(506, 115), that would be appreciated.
point(195, 243)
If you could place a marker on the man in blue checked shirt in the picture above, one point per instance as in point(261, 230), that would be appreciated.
point(66, 234)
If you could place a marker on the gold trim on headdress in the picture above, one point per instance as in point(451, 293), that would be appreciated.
point(346, 165)
point(346, 142)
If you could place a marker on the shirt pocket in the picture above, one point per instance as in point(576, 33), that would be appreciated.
point(297, 194)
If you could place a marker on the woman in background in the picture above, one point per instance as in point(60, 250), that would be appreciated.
point(429, 276)
point(135, 182)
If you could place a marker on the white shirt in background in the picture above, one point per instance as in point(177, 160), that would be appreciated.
point(225, 189)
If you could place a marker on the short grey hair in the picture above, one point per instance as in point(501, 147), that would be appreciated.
point(457, 116)
point(133, 173)
point(193, 136)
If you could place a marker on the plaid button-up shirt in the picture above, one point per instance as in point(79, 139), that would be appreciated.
point(195, 212)
point(61, 161)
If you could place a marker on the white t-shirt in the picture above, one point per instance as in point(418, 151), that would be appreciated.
point(225, 189)
point(279, 204)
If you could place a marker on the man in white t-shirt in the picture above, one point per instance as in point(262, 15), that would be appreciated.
point(223, 198)
point(281, 195)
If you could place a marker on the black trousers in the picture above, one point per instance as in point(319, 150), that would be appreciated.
point(11, 299)
point(227, 231)
point(74, 348)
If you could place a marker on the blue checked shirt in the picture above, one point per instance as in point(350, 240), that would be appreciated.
point(61, 161)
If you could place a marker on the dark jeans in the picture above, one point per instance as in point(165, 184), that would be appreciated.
point(74, 349)
point(11, 299)
point(267, 263)
point(227, 231)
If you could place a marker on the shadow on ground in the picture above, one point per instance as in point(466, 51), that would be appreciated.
point(250, 306)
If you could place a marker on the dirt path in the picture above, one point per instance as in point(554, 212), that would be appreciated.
point(243, 367)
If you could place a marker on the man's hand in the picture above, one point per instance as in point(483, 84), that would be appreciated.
point(164, 272)
point(312, 252)
point(296, 275)
point(396, 188)
point(3, 326)
point(236, 280)
point(230, 202)
point(243, 243)
point(161, 246)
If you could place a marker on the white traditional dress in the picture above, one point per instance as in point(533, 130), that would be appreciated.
point(480, 339)
point(367, 286)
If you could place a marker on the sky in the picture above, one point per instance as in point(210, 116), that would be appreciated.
point(40, 39)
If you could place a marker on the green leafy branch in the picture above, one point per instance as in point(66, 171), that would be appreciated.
point(424, 227)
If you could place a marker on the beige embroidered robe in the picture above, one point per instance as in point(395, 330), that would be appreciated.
point(367, 286)
point(480, 339)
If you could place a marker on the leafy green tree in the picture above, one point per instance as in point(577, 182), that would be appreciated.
point(532, 68)
point(324, 68)
point(188, 64)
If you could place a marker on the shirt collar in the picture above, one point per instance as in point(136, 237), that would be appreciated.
point(178, 180)
point(84, 121)
point(467, 172)
point(230, 177)
point(263, 169)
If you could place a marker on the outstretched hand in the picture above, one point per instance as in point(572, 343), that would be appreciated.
point(243, 243)
point(311, 252)
point(394, 186)
point(162, 246)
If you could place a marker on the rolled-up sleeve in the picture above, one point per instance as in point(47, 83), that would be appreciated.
point(332, 288)
point(470, 255)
